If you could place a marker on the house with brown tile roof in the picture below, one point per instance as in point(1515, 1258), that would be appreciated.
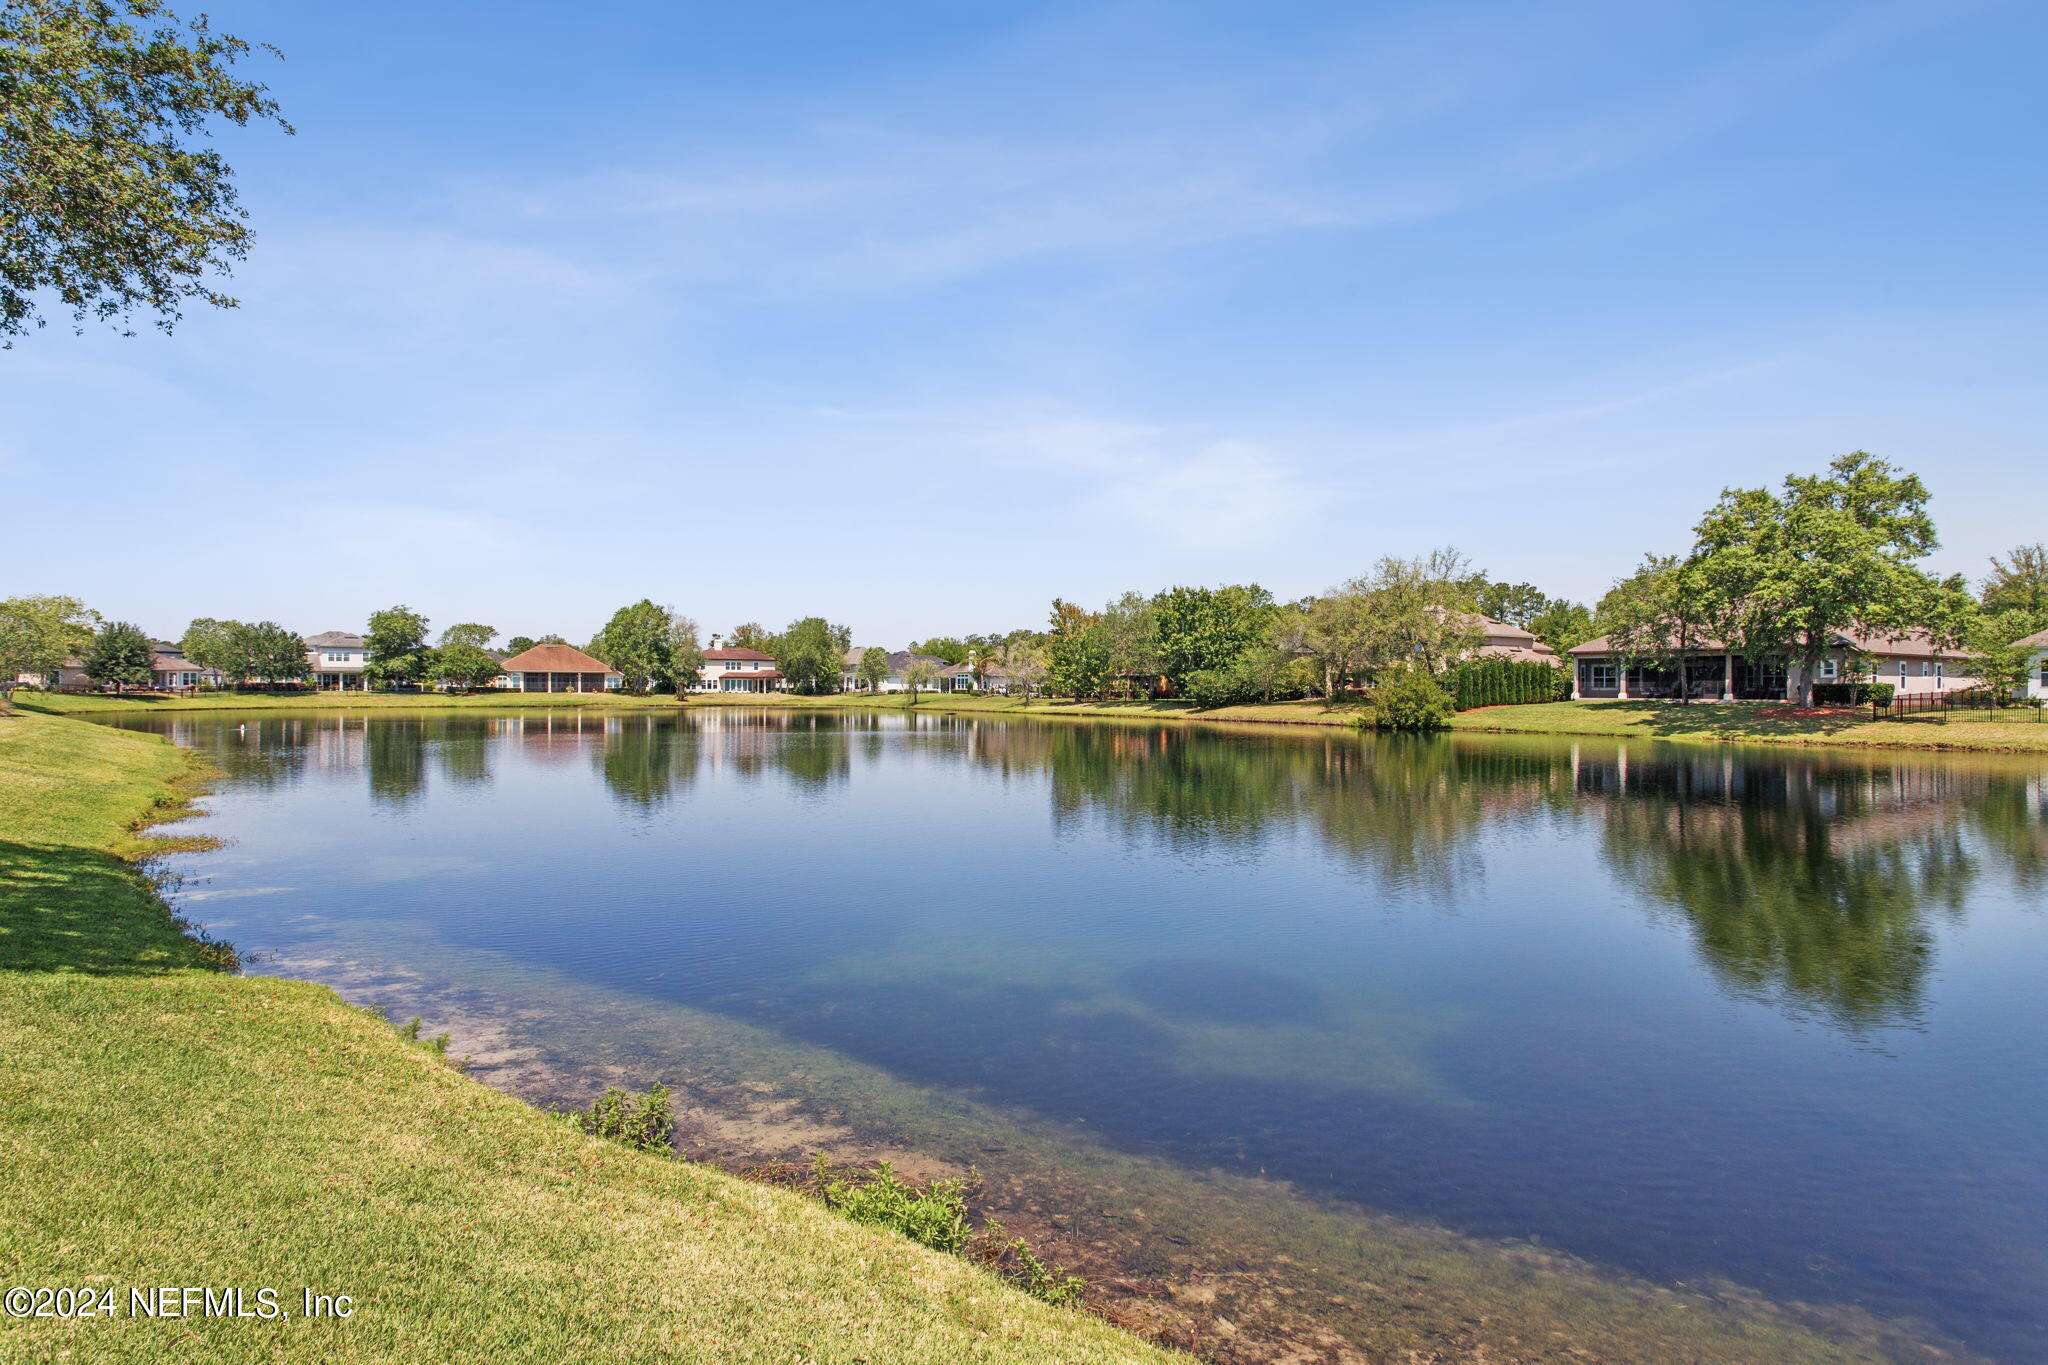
point(1507, 641)
point(1912, 661)
point(560, 668)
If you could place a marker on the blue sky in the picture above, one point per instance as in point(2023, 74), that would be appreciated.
point(916, 315)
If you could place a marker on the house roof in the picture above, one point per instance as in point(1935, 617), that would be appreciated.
point(334, 639)
point(555, 659)
point(988, 670)
point(732, 652)
point(2039, 640)
point(1911, 644)
point(902, 659)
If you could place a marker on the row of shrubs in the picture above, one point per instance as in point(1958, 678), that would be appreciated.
point(1505, 682)
point(1852, 694)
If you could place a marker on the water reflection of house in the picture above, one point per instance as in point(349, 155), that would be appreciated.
point(1912, 662)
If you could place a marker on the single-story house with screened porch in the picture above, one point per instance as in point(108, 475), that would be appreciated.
point(560, 668)
point(1911, 662)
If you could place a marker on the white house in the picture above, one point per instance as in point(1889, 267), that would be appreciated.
point(732, 668)
point(893, 680)
point(335, 659)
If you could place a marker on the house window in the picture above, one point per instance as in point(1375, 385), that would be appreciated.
point(1600, 677)
point(1828, 668)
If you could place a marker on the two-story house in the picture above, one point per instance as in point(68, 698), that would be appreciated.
point(732, 668)
point(335, 659)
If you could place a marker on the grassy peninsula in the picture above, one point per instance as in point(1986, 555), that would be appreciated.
point(165, 1123)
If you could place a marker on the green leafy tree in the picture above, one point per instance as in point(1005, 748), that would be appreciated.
point(1332, 632)
point(1661, 615)
point(1418, 611)
point(469, 633)
point(1408, 697)
point(1994, 652)
point(1832, 552)
point(270, 652)
point(944, 647)
point(1022, 660)
point(113, 204)
point(119, 655)
point(872, 668)
point(1516, 603)
point(1076, 655)
point(397, 641)
point(920, 674)
point(1562, 625)
point(1208, 628)
point(810, 656)
point(1127, 631)
point(461, 659)
point(519, 644)
point(2019, 582)
point(462, 666)
point(38, 634)
point(208, 643)
point(685, 654)
point(751, 635)
point(636, 643)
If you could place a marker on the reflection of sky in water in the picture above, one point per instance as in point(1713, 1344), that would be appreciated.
point(1691, 1012)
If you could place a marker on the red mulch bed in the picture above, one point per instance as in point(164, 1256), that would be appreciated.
point(1810, 712)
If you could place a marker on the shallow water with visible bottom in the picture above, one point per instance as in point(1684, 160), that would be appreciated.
point(1770, 1021)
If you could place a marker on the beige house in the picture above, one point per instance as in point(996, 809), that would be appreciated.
point(1911, 662)
point(1505, 641)
point(335, 660)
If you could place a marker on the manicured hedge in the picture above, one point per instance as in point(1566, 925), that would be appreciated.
point(1505, 682)
point(1852, 694)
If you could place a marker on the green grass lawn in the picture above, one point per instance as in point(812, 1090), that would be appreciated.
point(162, 1123)
point(2013, 731)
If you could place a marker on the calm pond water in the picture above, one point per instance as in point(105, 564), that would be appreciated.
point(1764, 1017)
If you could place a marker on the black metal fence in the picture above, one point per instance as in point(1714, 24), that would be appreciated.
point(1938, 705)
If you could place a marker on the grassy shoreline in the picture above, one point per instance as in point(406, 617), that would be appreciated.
point(1734, 723)
point(167, 1123)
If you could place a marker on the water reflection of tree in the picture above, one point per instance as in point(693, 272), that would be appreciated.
point(642, 759)
point(462, 749)
point(268, 753)
point(1401, 810)
point(395, 759)
point(1806, 883)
